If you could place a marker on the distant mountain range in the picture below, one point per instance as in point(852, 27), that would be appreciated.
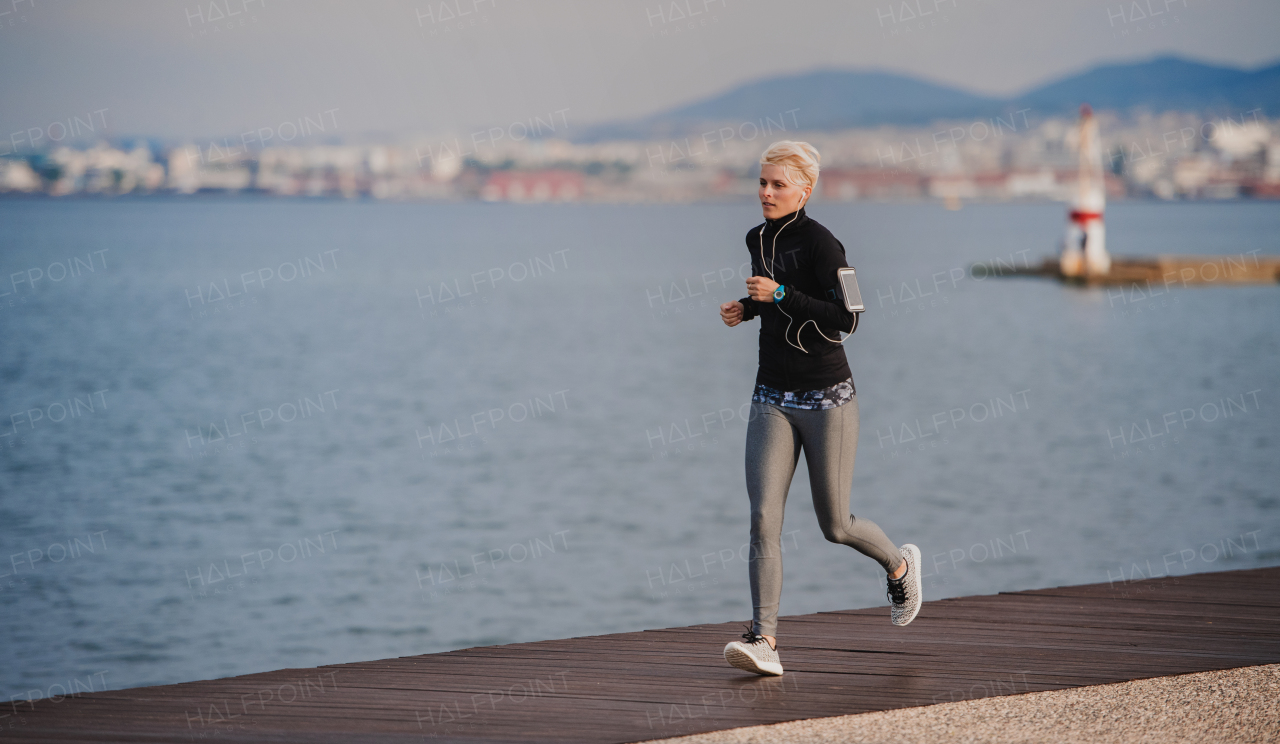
point(839, 99)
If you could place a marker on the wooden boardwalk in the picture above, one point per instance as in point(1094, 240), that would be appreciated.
point(1154, 275)
point(658, 683)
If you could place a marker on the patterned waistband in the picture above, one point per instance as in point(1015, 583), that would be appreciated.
point(828, 397)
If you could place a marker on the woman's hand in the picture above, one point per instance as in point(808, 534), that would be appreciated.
point(731, 313)
point(760, 288)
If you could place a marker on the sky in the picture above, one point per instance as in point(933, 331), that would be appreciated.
point(184, 69)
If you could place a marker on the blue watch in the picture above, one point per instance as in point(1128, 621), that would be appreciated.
point(779, 293)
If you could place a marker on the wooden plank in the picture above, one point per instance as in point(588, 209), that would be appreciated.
point(1162, 271)
point(666, 682)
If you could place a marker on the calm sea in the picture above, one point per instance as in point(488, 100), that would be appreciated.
point(244, 435)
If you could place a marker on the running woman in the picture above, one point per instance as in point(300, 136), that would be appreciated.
point(804, 399)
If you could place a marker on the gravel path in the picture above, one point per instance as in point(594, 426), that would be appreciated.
point(1235, 705)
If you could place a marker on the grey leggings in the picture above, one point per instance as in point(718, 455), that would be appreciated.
point(775, 435)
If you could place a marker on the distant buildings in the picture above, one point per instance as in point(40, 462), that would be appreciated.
point(100, 169)
point(1167, 156)
point(537, 186)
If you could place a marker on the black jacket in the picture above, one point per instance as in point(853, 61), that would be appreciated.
point(805, 262)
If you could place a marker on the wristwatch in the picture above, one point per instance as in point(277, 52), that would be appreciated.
point(779, 293)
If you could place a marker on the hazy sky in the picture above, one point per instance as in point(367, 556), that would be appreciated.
point(177, 68)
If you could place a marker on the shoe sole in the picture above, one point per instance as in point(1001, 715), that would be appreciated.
point(915, 564)
point(743, 660)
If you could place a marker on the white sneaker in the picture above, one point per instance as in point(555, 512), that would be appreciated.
point(905, 595)
point(753, 656)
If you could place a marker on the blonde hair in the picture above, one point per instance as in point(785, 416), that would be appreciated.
point(799, 161)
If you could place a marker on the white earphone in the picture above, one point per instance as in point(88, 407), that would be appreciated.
point(772, 254)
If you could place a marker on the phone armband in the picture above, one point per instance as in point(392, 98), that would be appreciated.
point(848, 284)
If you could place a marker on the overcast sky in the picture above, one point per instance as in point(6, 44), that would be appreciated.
point(175, 69)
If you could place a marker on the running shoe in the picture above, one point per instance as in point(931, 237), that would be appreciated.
point(904, 593)
point(753, 656)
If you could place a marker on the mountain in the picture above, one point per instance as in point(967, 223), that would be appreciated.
point(1161, 84)
point(825, 99)
point(837, 99)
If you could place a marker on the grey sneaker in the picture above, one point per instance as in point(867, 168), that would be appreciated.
point(905, 593)
point(753, 656)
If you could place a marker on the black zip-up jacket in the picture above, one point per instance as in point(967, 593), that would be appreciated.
point(805, 262)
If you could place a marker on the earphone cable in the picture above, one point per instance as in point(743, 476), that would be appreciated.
point(772, 255)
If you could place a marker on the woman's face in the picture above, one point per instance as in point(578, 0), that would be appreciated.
point(778, 196)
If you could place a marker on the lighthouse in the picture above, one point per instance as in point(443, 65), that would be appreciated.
point(1084, 251)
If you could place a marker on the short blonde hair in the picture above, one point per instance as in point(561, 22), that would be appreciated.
point(799, 161)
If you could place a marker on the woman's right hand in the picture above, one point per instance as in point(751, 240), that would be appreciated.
point(731, 313)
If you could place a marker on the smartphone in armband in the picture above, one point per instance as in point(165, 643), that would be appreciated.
point(849, 289)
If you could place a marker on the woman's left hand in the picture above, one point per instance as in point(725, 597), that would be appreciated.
point(760, 288)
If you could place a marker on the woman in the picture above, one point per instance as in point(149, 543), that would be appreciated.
point(804, 398)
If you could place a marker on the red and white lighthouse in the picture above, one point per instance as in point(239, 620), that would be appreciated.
point(1084, 252)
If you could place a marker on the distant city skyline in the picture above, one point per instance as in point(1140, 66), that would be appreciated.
point(205, 69)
